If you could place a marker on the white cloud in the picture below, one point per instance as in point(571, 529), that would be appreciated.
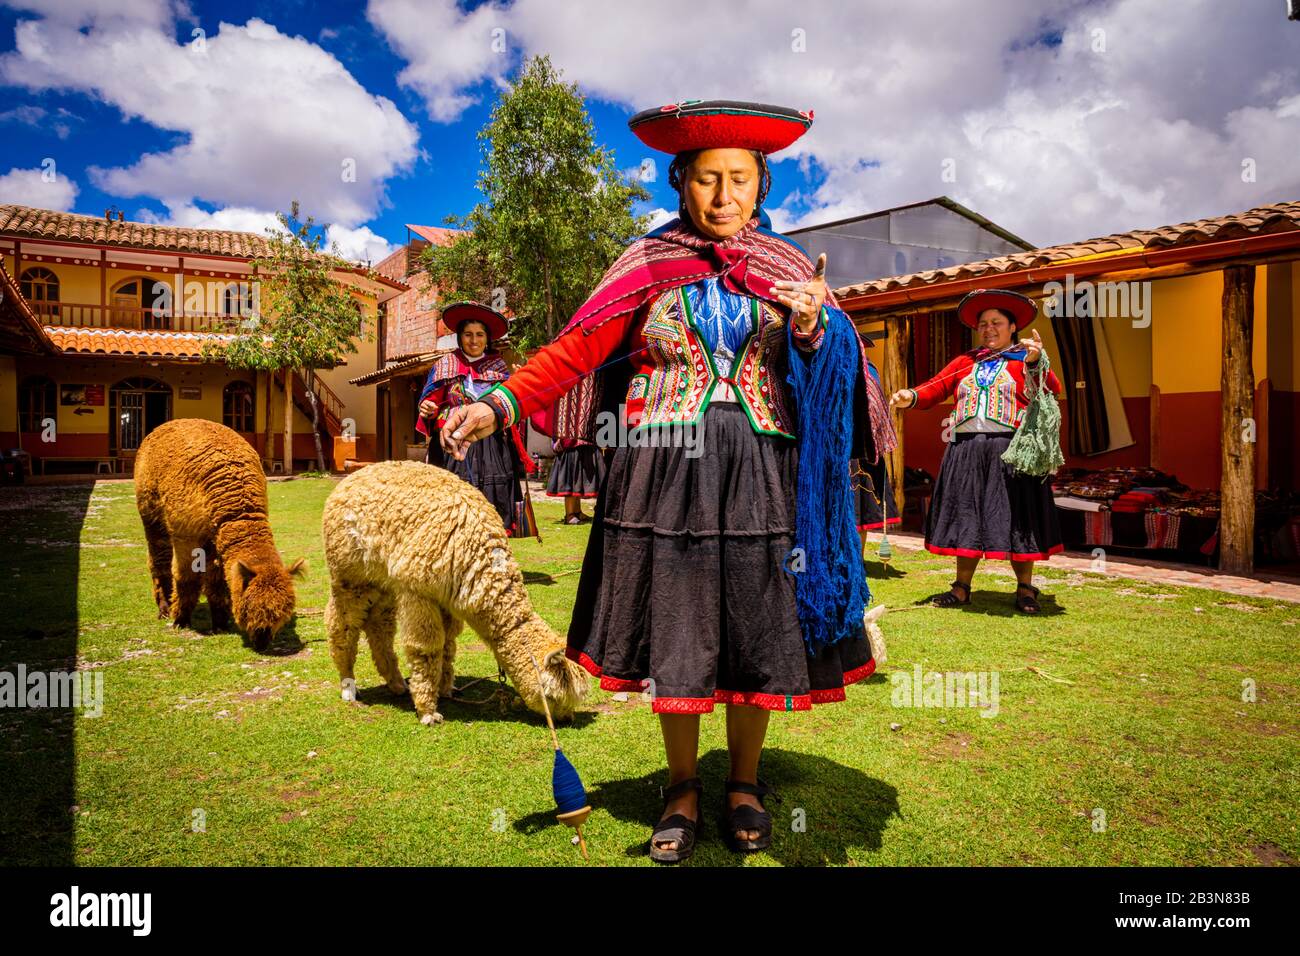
point(233, 218)
point(446, 50)
point(30, 187)
point(1142, 124)
point(360, 244)
point(265, 118)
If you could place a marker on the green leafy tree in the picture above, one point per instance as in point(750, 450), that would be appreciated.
point(556, 213)
point(303, 318)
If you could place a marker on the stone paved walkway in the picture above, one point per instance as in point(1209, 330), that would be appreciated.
point(1261, 585)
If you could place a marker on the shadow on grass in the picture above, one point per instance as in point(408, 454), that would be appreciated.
point(477, 699)
point(998, 604)
point(39, 578)
point(825, 809)
point(285, 644)
point(878, 570)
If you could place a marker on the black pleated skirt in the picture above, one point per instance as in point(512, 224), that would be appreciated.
point(684, 591)
point(576, 473)
point(492, 466)
point(981, 508)
point(870, 490)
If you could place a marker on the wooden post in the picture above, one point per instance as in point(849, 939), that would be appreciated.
point(268, 445)
point(1154, 459)
point(893, 376)
point(288, 421)
point(1238, 425)
point(396, 441)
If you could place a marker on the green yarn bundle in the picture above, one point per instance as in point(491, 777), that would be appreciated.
point(1035, 449)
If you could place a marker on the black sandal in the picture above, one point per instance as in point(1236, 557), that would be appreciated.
point(745, 817)
point(948, 599)
point(677, 828)
point(1027, 603)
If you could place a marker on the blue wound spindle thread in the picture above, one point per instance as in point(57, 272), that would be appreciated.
point(566, 785)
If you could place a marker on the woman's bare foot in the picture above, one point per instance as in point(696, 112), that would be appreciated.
point(688, 806)
point(734, 800)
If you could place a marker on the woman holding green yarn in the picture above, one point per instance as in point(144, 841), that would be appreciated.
point(981, 507)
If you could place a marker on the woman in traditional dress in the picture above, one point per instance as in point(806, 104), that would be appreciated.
point(873, 489)
point(980, 506)
point(579, 465)
point(723, 564)
point(458, 378)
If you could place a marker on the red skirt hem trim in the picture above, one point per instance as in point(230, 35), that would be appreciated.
point(878, 524)
point(704, 705)
point(1002, 555)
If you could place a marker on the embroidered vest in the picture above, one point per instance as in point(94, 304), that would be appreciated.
point(676, 377)
point(990, 395)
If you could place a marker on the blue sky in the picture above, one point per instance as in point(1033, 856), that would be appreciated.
point(1060, 119)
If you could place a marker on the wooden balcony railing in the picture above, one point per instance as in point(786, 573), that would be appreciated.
point(131, 317)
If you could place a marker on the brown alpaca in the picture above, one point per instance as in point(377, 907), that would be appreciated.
point(413, 546)
point(201, 494)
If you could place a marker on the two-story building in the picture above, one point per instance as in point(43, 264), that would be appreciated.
point(126, 309)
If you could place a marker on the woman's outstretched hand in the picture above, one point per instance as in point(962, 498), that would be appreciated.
point(904, 396)
point(466, 425)
point(804, 298)
point(1033, 347)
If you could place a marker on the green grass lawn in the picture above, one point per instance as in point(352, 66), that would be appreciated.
point(1151, 729)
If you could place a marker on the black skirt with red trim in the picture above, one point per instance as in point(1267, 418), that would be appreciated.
point(576, 473)
point(684, 591)
point(870, 488)
point(492, 466)
point(982, 508)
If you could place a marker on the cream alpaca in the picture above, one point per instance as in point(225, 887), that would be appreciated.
point(413, 546)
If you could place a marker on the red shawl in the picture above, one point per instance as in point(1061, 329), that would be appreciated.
point(673, 255)
point(453, 367)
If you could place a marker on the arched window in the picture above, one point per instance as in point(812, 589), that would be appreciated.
point(37, 399)
point(40, 287)
point(237, 407)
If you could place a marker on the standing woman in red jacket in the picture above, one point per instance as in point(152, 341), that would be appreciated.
point(723, 565)
point(459, 378)
point(980, 507)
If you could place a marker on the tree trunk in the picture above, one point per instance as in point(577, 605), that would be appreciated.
point(550, 304)
point(1238, 426)
point(309, 376)
point(288, 421)
point(893, 376)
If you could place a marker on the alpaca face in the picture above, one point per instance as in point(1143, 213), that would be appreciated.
point(262, 600)
point(563, 682)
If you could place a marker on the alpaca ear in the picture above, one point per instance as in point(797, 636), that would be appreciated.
point(299, 568)
point(244, 571)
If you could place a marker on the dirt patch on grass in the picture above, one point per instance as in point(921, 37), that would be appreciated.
point(1269, 854)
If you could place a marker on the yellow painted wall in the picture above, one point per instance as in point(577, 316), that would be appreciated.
point(210, 379)
point(1187, 331)
point(81, 285)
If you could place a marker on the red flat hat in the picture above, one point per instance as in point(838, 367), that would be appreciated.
point(1021, 308)
point(719, 124)
point(458, 313)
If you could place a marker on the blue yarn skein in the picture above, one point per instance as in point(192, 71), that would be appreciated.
point(831, 593)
